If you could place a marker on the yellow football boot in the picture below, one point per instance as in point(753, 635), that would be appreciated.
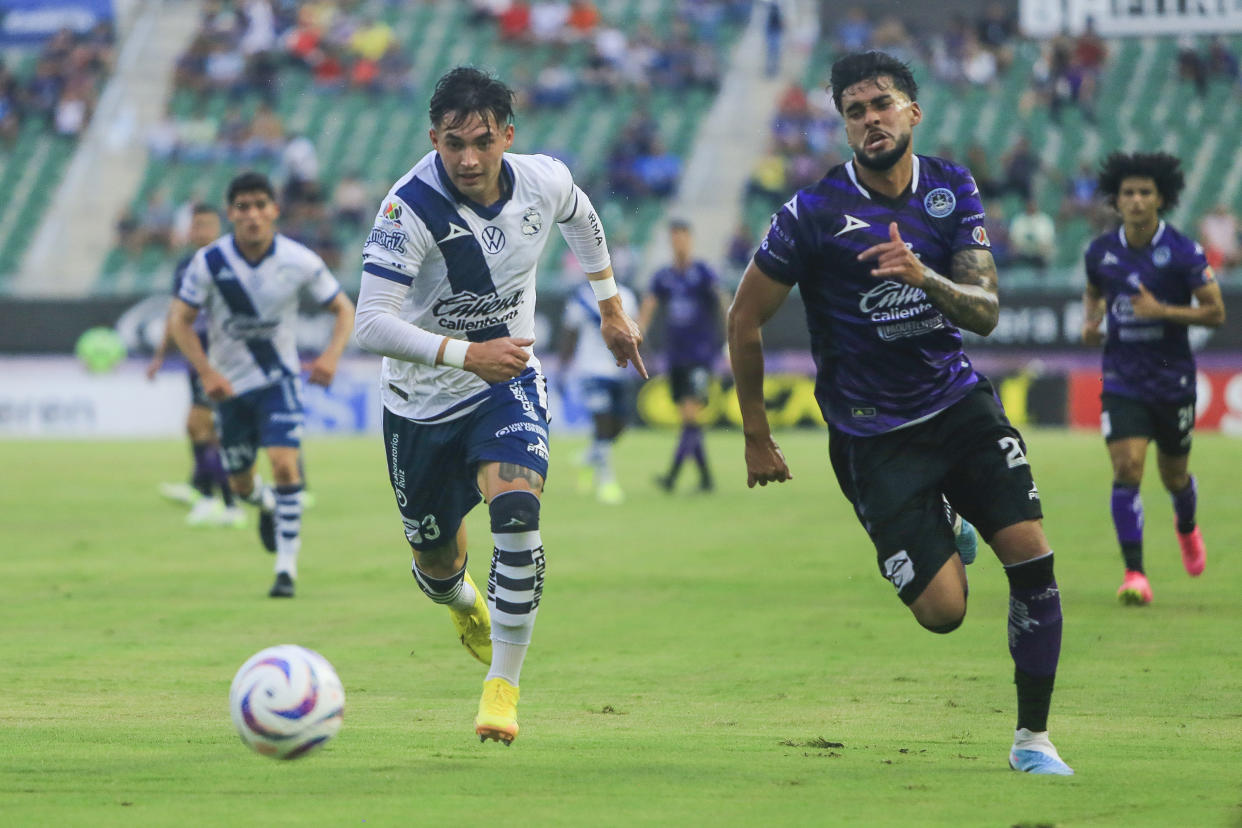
point(474, 626)
point(497, 718)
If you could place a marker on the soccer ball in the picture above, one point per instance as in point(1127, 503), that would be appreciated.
point(100, 349)
point(286, 701)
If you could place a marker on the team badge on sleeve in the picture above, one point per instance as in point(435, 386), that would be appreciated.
point(980, 236)
point(392, 212)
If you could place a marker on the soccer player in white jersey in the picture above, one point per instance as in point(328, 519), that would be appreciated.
point(249, 282)
point(448, 297)
point(603, 385)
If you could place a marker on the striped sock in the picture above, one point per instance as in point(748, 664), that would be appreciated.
point(516, 581)
point(288, 528)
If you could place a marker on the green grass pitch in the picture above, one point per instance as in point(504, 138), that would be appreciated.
point(732, 659)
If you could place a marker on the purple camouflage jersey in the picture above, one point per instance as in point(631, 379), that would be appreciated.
point(886, 357)
point(691, 301)
point(1147, 359)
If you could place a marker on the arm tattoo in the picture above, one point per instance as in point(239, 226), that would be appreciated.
point(968, 296)
point(512, 471)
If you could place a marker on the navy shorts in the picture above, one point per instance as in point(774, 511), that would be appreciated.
point(267, 416)
point(433, 467)
point(969, 453)
point(607, 396)
point(1170, 424)
point(690, 382)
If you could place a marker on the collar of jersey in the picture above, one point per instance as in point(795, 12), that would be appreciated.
point(271, 251)
point(880, 197)
point(489, 213)
point(1155, 238)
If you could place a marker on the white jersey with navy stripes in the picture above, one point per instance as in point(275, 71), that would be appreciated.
point(252, 310)
point(470, 270)
point(592, 357)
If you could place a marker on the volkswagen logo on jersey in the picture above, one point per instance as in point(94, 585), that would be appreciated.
point(532, 222)
point(940, 202)
point(493, 238)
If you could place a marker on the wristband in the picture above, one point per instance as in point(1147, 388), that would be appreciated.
point(604, 288)
point(455, 352)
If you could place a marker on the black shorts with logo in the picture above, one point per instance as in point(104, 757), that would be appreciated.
point(969, 453)
point(690, 382)
point(1170, 424)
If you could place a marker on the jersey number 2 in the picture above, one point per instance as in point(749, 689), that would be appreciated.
point(1013, 451)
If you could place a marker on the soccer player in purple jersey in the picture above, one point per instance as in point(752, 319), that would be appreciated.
point(891, 258)
point(1142, 277)
point(200, 426)
point(689, 292)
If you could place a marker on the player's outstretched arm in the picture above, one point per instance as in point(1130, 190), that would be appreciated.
point(967, 296)
point(180, 327)
point(758, 297)
point(323, 368)
point(1093, 309)
point(621, 333)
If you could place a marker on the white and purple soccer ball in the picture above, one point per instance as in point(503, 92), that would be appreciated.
point(286, 701)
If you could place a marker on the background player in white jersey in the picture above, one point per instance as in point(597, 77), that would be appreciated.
point(604, 387)
point(249, 282)
point(448, 297)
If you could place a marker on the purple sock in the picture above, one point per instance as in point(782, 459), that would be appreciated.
point(1034, 637)
point(1128, 513)
point(202, 478)
point(685, 445)
point(1184, 503)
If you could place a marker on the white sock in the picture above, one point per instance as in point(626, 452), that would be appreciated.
point(507, 656)
point(513, 593)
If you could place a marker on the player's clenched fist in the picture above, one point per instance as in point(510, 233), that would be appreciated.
point(765, 462)
point(498, 360)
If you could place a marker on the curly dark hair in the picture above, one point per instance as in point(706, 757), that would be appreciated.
point(1160, 167)
point(862, 66)
point(467, 91)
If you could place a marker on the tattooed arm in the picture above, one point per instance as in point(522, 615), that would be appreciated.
point(967, 296)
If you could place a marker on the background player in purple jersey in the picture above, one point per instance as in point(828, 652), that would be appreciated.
point(688, 292)
point(1142, 278)
point(200, 426)
point(891, 258)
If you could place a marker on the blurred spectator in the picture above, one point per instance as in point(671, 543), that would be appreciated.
point(351, 203)
point(371, 40)
point(299, 168)
point(997, 228)
point(582, 20)
point(768, 179)
point(853, 31)
point(1191, 66)
point(1032, 237)
point(978, 63)
point(773, 28)
point(980, 166)
point(547, 20)
point(996, 30)
point(1081, 200)
point(553, 87)
point(1218, 233)
point(1222, 63)
point(1021, 165)
point(515, 22)
point(739, 249)
point(267, 134)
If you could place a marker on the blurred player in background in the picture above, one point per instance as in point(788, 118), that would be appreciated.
point(688, 292)
point(1151, 283)
point(604, 386)
point(891, 258)
point(249, 283)
point(208, 474)
point(448, 297)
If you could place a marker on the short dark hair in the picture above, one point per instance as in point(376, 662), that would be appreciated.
point(250, 182)
point(862, 66)
point(679, 224)
point(467, 91)
point(202, 208)
point(1160, 167)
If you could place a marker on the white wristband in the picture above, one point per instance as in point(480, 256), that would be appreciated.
point(604, 288)
point(455, 352)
